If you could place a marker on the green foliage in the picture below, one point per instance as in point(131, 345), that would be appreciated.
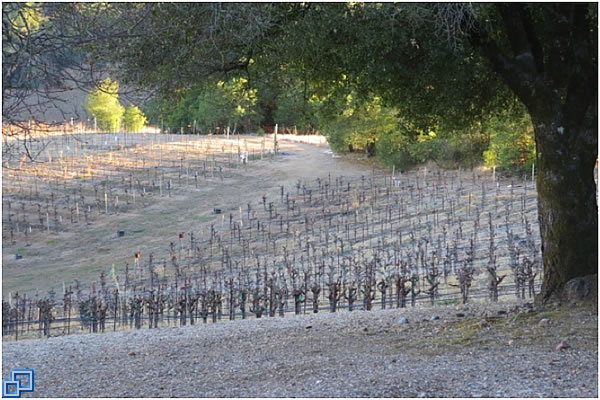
point(425, 148)
point(360, 124)
point(134, 119)
point(367, 125)
point(292, 108)
point(103, 104)
point(26, 17)
point(393, 148)
point(216, 104)
point(512, 145)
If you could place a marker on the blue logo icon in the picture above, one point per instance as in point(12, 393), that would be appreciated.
point(21, 380)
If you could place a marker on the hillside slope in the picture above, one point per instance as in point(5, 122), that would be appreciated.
point(496, 350)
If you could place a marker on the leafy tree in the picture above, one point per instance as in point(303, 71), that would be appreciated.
point(134, 119)
point(239, 103)
point(360, 125)
point(542, 54)
point(213, 104)
point(291, 108)
point(202, 40)
point(103, 104)
point(512, 144)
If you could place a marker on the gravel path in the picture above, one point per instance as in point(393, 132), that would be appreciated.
point(357, 354)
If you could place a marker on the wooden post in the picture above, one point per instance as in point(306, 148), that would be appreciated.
point(275, 149)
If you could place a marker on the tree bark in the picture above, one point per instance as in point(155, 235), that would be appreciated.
point(567, 207)
point(559, 86)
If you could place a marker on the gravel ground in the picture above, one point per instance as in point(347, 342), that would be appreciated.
point(494, 350)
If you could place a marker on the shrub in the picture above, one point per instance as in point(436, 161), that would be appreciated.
point(393, 149)
point(134, 119)
point(361, 125)
point(512, 145)
point(103, 104)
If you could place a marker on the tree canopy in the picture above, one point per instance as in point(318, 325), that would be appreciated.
point(134, 119)
point(103, 104)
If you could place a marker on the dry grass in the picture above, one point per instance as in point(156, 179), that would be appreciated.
point(576, 323)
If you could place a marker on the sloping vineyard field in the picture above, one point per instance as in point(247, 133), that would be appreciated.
point(325, 243)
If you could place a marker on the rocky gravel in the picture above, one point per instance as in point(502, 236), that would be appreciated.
point(493, 350)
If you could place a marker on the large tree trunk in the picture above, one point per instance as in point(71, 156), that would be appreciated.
point(551, 67)
point(568, 212)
